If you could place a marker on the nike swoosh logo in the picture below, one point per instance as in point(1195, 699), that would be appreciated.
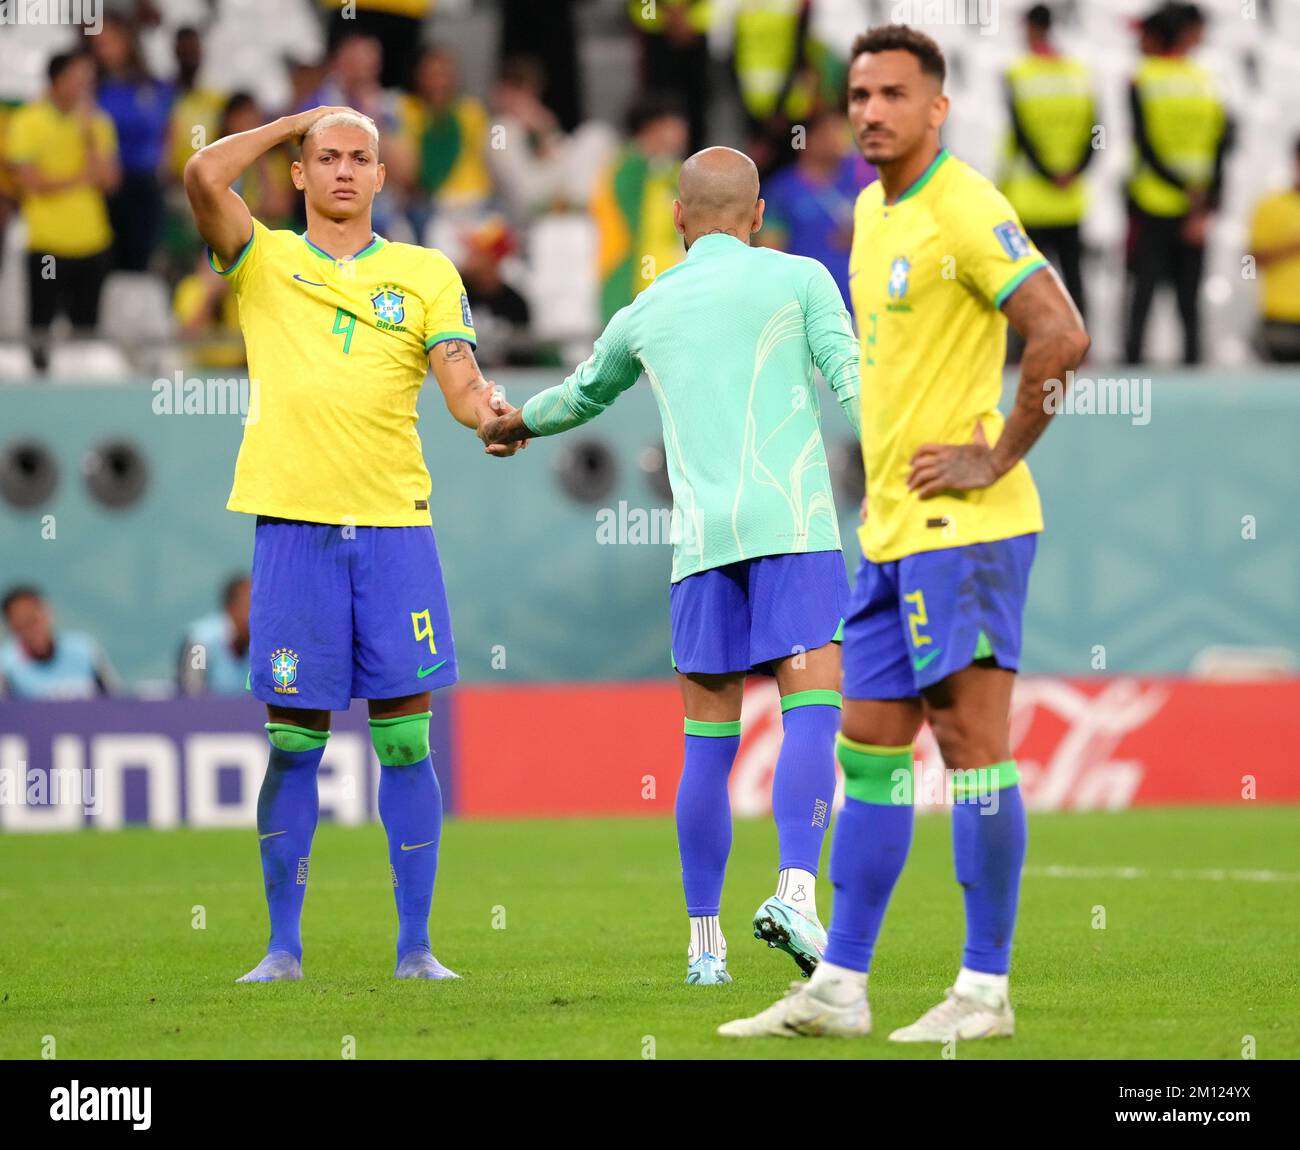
point(424, 672)
point(925, 660)
point(271, 835)
point(417, 846)
point(313, 283)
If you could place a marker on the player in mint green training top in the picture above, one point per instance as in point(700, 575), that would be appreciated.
point(728, 340)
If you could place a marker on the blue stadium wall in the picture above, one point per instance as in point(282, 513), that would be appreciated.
point(1163, 537)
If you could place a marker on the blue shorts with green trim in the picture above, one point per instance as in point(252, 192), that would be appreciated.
point(339, 614)
point(744, 615)
point(916, 620)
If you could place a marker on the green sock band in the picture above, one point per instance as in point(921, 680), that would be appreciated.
point(879, 775)
point(401, 741)
point(711, 730)
point(811, 699)
point(287, 737)
point(982, 782)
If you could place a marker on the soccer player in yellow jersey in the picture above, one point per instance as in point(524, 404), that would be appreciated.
point(341, 327)
point(939, 266)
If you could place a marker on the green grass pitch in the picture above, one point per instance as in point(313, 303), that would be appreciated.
point(571, 937)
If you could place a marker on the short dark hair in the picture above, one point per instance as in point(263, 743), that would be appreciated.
point(652, 106)
point(1039, 17)
point(60, 62)
point(21, 591)
point(901, 38)
point(230, 586)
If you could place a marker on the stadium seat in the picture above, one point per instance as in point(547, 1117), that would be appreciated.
point(15, 361)
point(89, 361)
point(562, 292)
point(135, 312)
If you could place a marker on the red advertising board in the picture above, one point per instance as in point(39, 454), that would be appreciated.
point(1081, 744)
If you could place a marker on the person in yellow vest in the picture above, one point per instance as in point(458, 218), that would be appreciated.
point(1181, 135)
point(396, 24)
point(1275, 244)
point(633, 204)
point(674, 54)
point(62, 151)
point(1052, 113)
point(778, 68)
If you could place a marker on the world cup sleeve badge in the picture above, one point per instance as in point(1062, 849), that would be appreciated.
point(1014, 241)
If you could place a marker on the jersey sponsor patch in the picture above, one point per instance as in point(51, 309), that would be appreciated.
point(464, 310)
point(1014, 242)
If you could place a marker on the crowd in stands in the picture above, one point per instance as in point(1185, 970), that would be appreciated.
point(92, 163)
point(39, 660)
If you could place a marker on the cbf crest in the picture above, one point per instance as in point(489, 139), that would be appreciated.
point(284, 670)
point(898, 273)
point(389, 303)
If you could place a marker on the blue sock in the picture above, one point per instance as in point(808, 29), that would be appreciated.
point(287, 809)
point(804, 784)
point(989, 836)
point(873, 834)
point(868, 851)
point(704, 812)
point(410, 805)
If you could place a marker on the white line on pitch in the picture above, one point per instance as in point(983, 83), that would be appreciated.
point(1217, 875)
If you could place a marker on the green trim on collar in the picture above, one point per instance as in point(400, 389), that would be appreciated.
point(376, 242)
point(924, 179)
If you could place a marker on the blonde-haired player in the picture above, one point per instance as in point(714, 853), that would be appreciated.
point(341, 327)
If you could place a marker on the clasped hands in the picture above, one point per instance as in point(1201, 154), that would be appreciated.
point(501, 426)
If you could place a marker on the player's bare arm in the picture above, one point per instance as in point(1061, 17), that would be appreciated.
point(220, 214)
point(1042, 312)
point(472, 400)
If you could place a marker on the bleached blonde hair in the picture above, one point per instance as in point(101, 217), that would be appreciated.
point(349, 120)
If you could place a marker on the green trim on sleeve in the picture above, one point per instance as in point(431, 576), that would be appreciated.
point(465, 334)
point(239, 259)
point(1016, 280)
point(711, 730)
point(810, 699)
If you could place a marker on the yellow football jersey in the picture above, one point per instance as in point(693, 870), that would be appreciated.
point(337, 354)
point(928, 275)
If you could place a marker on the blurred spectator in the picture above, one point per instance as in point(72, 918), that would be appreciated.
point(1181, 135)
point(207, 318)
point(538, 167)
point(63, 154)
point(777, 68)
point(448, 133)
point(395, 24)
point(214, 655)
point(140, 107)
point(1275, 244)
point(547, 33)
point(1052, 112)
point(196, 112)
point(673, 38)
point(266, 185)
point(37, 663)
point(500, 313)
point(353, 80)
point(633, 204)
point(809, 204)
